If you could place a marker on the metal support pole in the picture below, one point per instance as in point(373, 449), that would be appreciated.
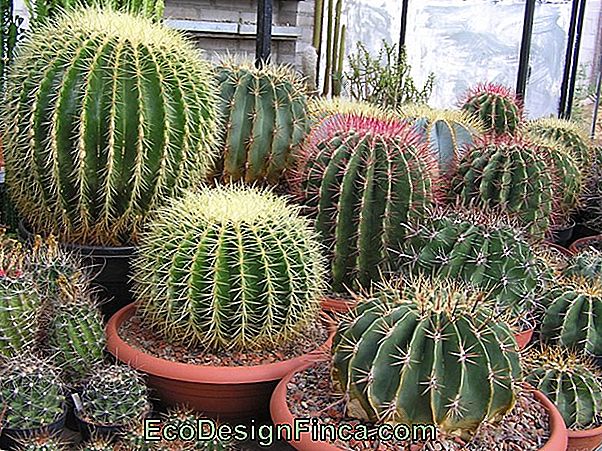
point(264, 32)
point(525, 49)
point(568, 59)
point(404, 25)
point(575, 64)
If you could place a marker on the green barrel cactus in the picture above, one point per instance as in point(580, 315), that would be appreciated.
point(496, 106)
point(114, 395)
point(263, 115)
point(103, 123)
point(31, 391)
point(587, 264)
point(447, 132)
point(573, 316)
point(231, 267)
point(426, 351)
point(509, 175)
point(573, 382)
point(480, 248)
point(568, 134)
point(42, 443)
point(361, 178)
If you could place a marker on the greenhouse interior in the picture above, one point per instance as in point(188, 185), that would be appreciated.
point(309, 225)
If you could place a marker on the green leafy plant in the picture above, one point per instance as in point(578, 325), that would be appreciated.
point(361, 178)
point(409, 354)
point(496, 106)
point(385, 79)
point(103, 123)
point(230, 267)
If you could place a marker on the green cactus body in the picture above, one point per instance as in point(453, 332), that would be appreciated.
point(230, 267)
point(510, 176)
point(479, 248)
point(592, 194)
point(447, 132)
point(496, 106)
point(20, 307)
point(114, 395)
point(587, 264)
point(103, 123)
point(426, 352)
point(77, 338)
point(42, 443)
point(573, 316)
point(572, 382)
point(32, 393)
point(100, 444)
point(321, 108)
point(263, 115)
point(361, 178)
point(567, 133)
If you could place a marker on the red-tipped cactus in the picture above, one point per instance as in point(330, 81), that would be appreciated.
point(496, 106)
point(361, 179)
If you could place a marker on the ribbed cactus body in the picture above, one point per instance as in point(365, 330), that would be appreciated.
point(102, 123)
point(447, 132)
point(426, 352)
point(263, 115)
point(510, 176)
point(114, 395)
point(571, 381)
point(481, 249)
point(573, 316)
point(31, 391)
point(230, 267)
point(42, 443)
point(20, 308)
point(496, 106)
point(100, 444)
point(361, 179)
point(587, 264)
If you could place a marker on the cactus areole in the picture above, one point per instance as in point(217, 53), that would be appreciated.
point(102, 123)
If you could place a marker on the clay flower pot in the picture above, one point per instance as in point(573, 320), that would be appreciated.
point(587, 440)
point(226, 392)
point(523, 338)
point(334, 305)
point(594, 241)
point(281, 414)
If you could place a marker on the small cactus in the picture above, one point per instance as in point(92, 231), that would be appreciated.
point(232, 267)
point(31, 392)
point(263, 115)
point(42, 443)
point(101, 444)
point(114, 395)
point(496, 106)
point(571, 381)
point(509, 175)
point(573, 315)
point(361, 178)
point(447, 132)
point(587, 264)
point(411, 354)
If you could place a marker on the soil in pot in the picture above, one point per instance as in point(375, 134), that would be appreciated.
point(310, 394)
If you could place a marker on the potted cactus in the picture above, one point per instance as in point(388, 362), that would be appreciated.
point(32, 399)
point(229, 279)
point(573, 382)
point(118, 130)
point(44, 442)
point(420, 351)
point(498, 108)
point(587, 264)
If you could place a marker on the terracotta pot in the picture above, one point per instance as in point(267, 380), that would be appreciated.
point(281, 414)
point(232, 393)
point(523, 338)
point(331, 304)
point(586, 242)
point(563, 250)
point(587, 440)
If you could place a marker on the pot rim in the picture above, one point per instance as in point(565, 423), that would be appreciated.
point(585, 433)
point(574, 247)
point(208, 374)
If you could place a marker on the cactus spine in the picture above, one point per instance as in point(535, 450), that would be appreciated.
point(587, 264)
point(42, 443)
point(496, 106)
point(361, 178)
point(571, 381)
point(263, 116)
point(411, 354)
point(320, 109)
point(231, 267)
point(103, 123)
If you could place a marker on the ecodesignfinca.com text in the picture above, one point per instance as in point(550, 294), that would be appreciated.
point(204, 429)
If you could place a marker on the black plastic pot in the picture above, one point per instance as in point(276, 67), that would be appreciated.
point(10, 438)
point(109, 265)
point(563, 235)
point(106, 432)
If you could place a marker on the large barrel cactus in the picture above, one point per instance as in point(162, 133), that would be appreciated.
point(231, 267)
point(263, 115)
point(511, 176)
point(447, 132)
point(426, 351)
point(103, 122)
point(571, 381)
point(361, 178)
point(483, 249)
point(496, 106)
